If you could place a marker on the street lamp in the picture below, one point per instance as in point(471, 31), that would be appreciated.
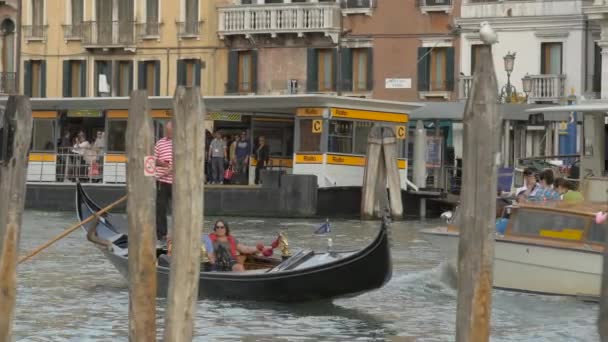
point(526, 83)
point(508, 89)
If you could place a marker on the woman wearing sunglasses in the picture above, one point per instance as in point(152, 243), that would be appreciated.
point(223, 254)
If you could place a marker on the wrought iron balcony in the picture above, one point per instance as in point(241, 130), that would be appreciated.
point(35, 32)
point(189, 29)
point(73, 32)
point(547, 88)
point(149, 29)
point(8, 83)
point(277, 19)
point(435, 5)
point(108, 34)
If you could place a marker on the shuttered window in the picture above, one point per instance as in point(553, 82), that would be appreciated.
point(551, 58)
point(436, 69)
point(191, 26)
point(151, 11)
point(74, 78)
point(189, 72)
point(103, 78)
point(77, 12)
point(242, 72)
point(35, 78)
point(124, 78)
point(149, 77)
point(475, 53)
point(37, 12)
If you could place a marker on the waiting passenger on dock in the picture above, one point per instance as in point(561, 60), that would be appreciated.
point(217, 156)
point(567, 191)
point(242, 152)
point(546, 191)
point(262, 156)
point(163, 152)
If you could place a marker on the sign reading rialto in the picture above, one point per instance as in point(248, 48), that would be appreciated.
point(149, 166)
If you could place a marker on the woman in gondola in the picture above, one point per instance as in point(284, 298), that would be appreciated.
point(223, 256)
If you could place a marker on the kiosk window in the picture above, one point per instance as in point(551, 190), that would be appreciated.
point(116, 135)
point(309, 141)
point(43, 136)
point(361, 134)
point(340, 136)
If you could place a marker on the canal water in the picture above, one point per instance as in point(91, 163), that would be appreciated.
point(71, 293)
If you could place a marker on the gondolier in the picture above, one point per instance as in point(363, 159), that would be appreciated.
point(163, 153)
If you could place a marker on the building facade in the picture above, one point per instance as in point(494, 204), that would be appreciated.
point(88, 48)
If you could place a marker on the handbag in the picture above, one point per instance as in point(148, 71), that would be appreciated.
point(228, 173)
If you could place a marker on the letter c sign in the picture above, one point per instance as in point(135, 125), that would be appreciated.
point(400, 132)
point(317, 126)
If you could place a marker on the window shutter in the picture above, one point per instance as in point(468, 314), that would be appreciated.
point(157, 78)
point(197, 74)
point(181, 73)
point(346, 78)
point(254, 71)
point(96, 78)
point(334, 68)
point(423, 68)
point(110, 75)
point(83, 78)
point(141, 75)
point(27, 78)
point(43, 79)
point(130, 77)
point(449, 68)
point(543, 59)
point(67, 92)
point(312, 71)
point(233, 72)
point(370, 69)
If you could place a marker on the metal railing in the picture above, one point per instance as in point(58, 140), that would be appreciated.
point(8, 83)
point(70, 166)
point(151, 28)
point(187, 29)
point(279, 18)
point(73, 31)
point(430, 3)
point(108, 33)
point(35, 32)
point(357, 4)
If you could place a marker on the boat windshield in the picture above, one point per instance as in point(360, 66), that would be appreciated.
point(549, 224)
point(597, 233)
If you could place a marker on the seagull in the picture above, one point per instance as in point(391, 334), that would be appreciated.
point(487, 34)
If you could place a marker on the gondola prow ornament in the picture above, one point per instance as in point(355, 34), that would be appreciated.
point(284, 245)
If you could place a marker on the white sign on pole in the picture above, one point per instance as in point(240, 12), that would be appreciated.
point(398, 83)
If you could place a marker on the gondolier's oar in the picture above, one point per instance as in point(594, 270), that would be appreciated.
point(72, 228)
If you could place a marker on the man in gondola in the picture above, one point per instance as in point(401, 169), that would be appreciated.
point(163, 153)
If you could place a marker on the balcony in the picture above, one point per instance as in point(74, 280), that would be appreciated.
point(427, 6)
point(544, 88)
point(149, 30)
point(277, 19)
point(358, 6)
point(8, 84)
point(72, 32)
point(189, 29)
point(108, 34)
point(547, 88)
point(35, 32)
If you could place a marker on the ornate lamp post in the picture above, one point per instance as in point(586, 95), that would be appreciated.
point(526, 82)
point(508, 89)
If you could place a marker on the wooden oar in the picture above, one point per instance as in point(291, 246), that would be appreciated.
point(71, 229)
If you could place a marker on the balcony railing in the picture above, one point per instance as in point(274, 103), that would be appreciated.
point(188, 29)
point(72, 32)
point(280, 18)
point(464, 87)
point(429, 3)
point(358, 4)
point(8, 83)
point(149, 29)
point(105, 34)
point(547, 88)
point(35, 32)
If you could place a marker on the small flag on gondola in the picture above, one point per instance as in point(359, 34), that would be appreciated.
point(325, 228)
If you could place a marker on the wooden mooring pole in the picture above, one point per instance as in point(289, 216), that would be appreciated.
point(481, 156)
point(602, 322)
point(380, 166)
point(188, 152)
point(15, 139)
point(141, 202)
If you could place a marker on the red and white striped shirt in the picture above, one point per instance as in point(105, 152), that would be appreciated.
point(164, 151)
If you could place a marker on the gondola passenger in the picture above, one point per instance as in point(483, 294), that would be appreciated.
point(223, 255)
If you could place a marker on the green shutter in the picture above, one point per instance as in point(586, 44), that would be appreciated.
point(449, 68)
point(233, 72)
point(130, 77)
point(96, 78)
point(197, 73)
point(157, 78)
point(370, 69)
point(141, 75)
point(181, 73)
point(254, 71)
point(43, 79)
point(66, 79)
point(334, 67)
point(345, 83)
point(83, 78)
point(27, 78)
point(424, 68)
point(312, 70)
point(110, 77)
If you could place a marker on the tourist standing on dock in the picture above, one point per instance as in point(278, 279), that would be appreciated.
point(163, 152)
point(262, 156)
point(242, 151)
point(217, 156)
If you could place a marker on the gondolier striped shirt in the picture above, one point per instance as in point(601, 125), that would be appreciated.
point(164, 151)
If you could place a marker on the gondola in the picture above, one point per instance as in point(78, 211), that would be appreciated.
point(304, 276)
